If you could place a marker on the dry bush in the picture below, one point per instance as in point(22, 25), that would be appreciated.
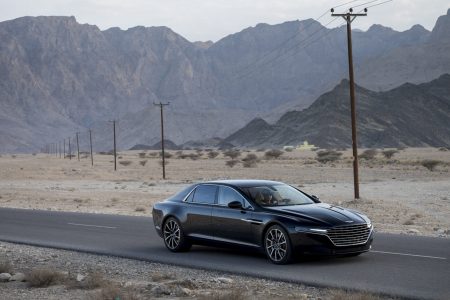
point(260, 150)
point(389, 153)
point(325, 156)
point(350, 295)
point(143, 162)
point(231, 163)
point(5, 266)
point(430, 164)
point(250, 161)
point(113, 292)
point(125, 162)
point(141, 155)
point(273, 153)
point(213, 154)
point(409, 222)
point(166, 162)
point(233, 154)
point(92, 281)
point(43, 277)
point(229, 294)
point(288, 148)
point(369, 154)
point(443, 149)
point(153, 154)
point(13, 156)
point(140, 209)
point(166, 154)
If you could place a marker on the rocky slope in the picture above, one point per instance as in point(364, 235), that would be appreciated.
point(410, 115)
point(58, 76)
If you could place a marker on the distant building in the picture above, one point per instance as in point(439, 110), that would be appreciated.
point(305, 146)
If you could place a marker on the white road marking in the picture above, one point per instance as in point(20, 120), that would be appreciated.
point(408, 254)
point(87, 225)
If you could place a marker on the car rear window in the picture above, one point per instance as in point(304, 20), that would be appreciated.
point(205, 194)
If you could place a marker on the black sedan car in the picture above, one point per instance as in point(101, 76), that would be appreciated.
point(267, 215)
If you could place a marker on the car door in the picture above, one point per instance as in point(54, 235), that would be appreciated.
point(229, 224)
point(199, 212)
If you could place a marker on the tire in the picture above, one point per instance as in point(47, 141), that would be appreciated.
point(277, 245)
point(173, 236)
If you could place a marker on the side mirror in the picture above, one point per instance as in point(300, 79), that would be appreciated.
point(235, 204)
point(315, 198)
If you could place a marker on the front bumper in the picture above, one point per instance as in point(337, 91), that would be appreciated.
point(320, 244)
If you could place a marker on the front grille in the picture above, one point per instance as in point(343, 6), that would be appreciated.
point(349, 235)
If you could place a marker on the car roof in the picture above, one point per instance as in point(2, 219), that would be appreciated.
point(245, 182)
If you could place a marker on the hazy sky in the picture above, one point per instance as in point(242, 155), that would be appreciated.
point(214, 19)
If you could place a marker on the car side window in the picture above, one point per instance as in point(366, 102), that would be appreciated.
point(205, 194)
point(227, 195)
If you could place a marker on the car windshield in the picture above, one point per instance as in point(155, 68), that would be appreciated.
point(278, 195)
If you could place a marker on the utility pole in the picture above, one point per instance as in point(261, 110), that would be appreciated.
point(349, 17)
point(115, 151)
point(161, 105)
point(59, 147)
point(90, 143)
point(70, 151)
point(78, 148)
point(64, 148)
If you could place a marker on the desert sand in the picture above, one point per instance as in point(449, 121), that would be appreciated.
point(399, 194)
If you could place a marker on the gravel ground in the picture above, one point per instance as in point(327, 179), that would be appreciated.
point(140, 280)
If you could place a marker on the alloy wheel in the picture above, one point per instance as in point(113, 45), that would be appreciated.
point(276, 244)
point(172, 234)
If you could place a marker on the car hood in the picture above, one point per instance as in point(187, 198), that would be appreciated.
point(321, 213)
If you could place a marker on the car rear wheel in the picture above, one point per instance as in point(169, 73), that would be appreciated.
point(277, 245)
point(174, 238)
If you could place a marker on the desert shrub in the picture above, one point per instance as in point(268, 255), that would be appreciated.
point(389, 153)
point(153, 154)
point(166, 154)
point(13, 156)
point(325, 156)
point(368, 154)
point(125, 162)
point(231, 163)
point(430, 164)
point(43, 277)
point(112, 292)
point(5, 266)
point(143, 162)
point(34, 154)
point(249, 164)
point(250, 156)
point(401, 148)
point(92, 281)
point(166, 162)
point(198, 150)
point(140, 209)
point(443, 149)
point(351, 295)
point(273, 153)
point(288, 148)
point(260, 150)
point(213, 154)
point(233, 154)
point(141, 155)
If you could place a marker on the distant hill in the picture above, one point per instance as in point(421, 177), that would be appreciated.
point(58, 76)
point(410, 115)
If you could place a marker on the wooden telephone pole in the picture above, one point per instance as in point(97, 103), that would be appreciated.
point(349, 17)
point(90, 143)
point(78, 148)
point(161, 105)
point(115, 151)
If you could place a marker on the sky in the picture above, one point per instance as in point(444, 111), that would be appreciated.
point(202, 20)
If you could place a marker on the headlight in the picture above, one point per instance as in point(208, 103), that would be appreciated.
point(315, 230)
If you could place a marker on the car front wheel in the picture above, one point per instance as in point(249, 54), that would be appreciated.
point(174, 237)
point(277, 245)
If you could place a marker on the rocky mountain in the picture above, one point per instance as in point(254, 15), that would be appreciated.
point(58, 76)
point(409, 115)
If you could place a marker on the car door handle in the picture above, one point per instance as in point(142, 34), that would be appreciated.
point(252, 221)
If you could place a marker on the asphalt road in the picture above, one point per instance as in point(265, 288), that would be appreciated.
point(399, 265)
